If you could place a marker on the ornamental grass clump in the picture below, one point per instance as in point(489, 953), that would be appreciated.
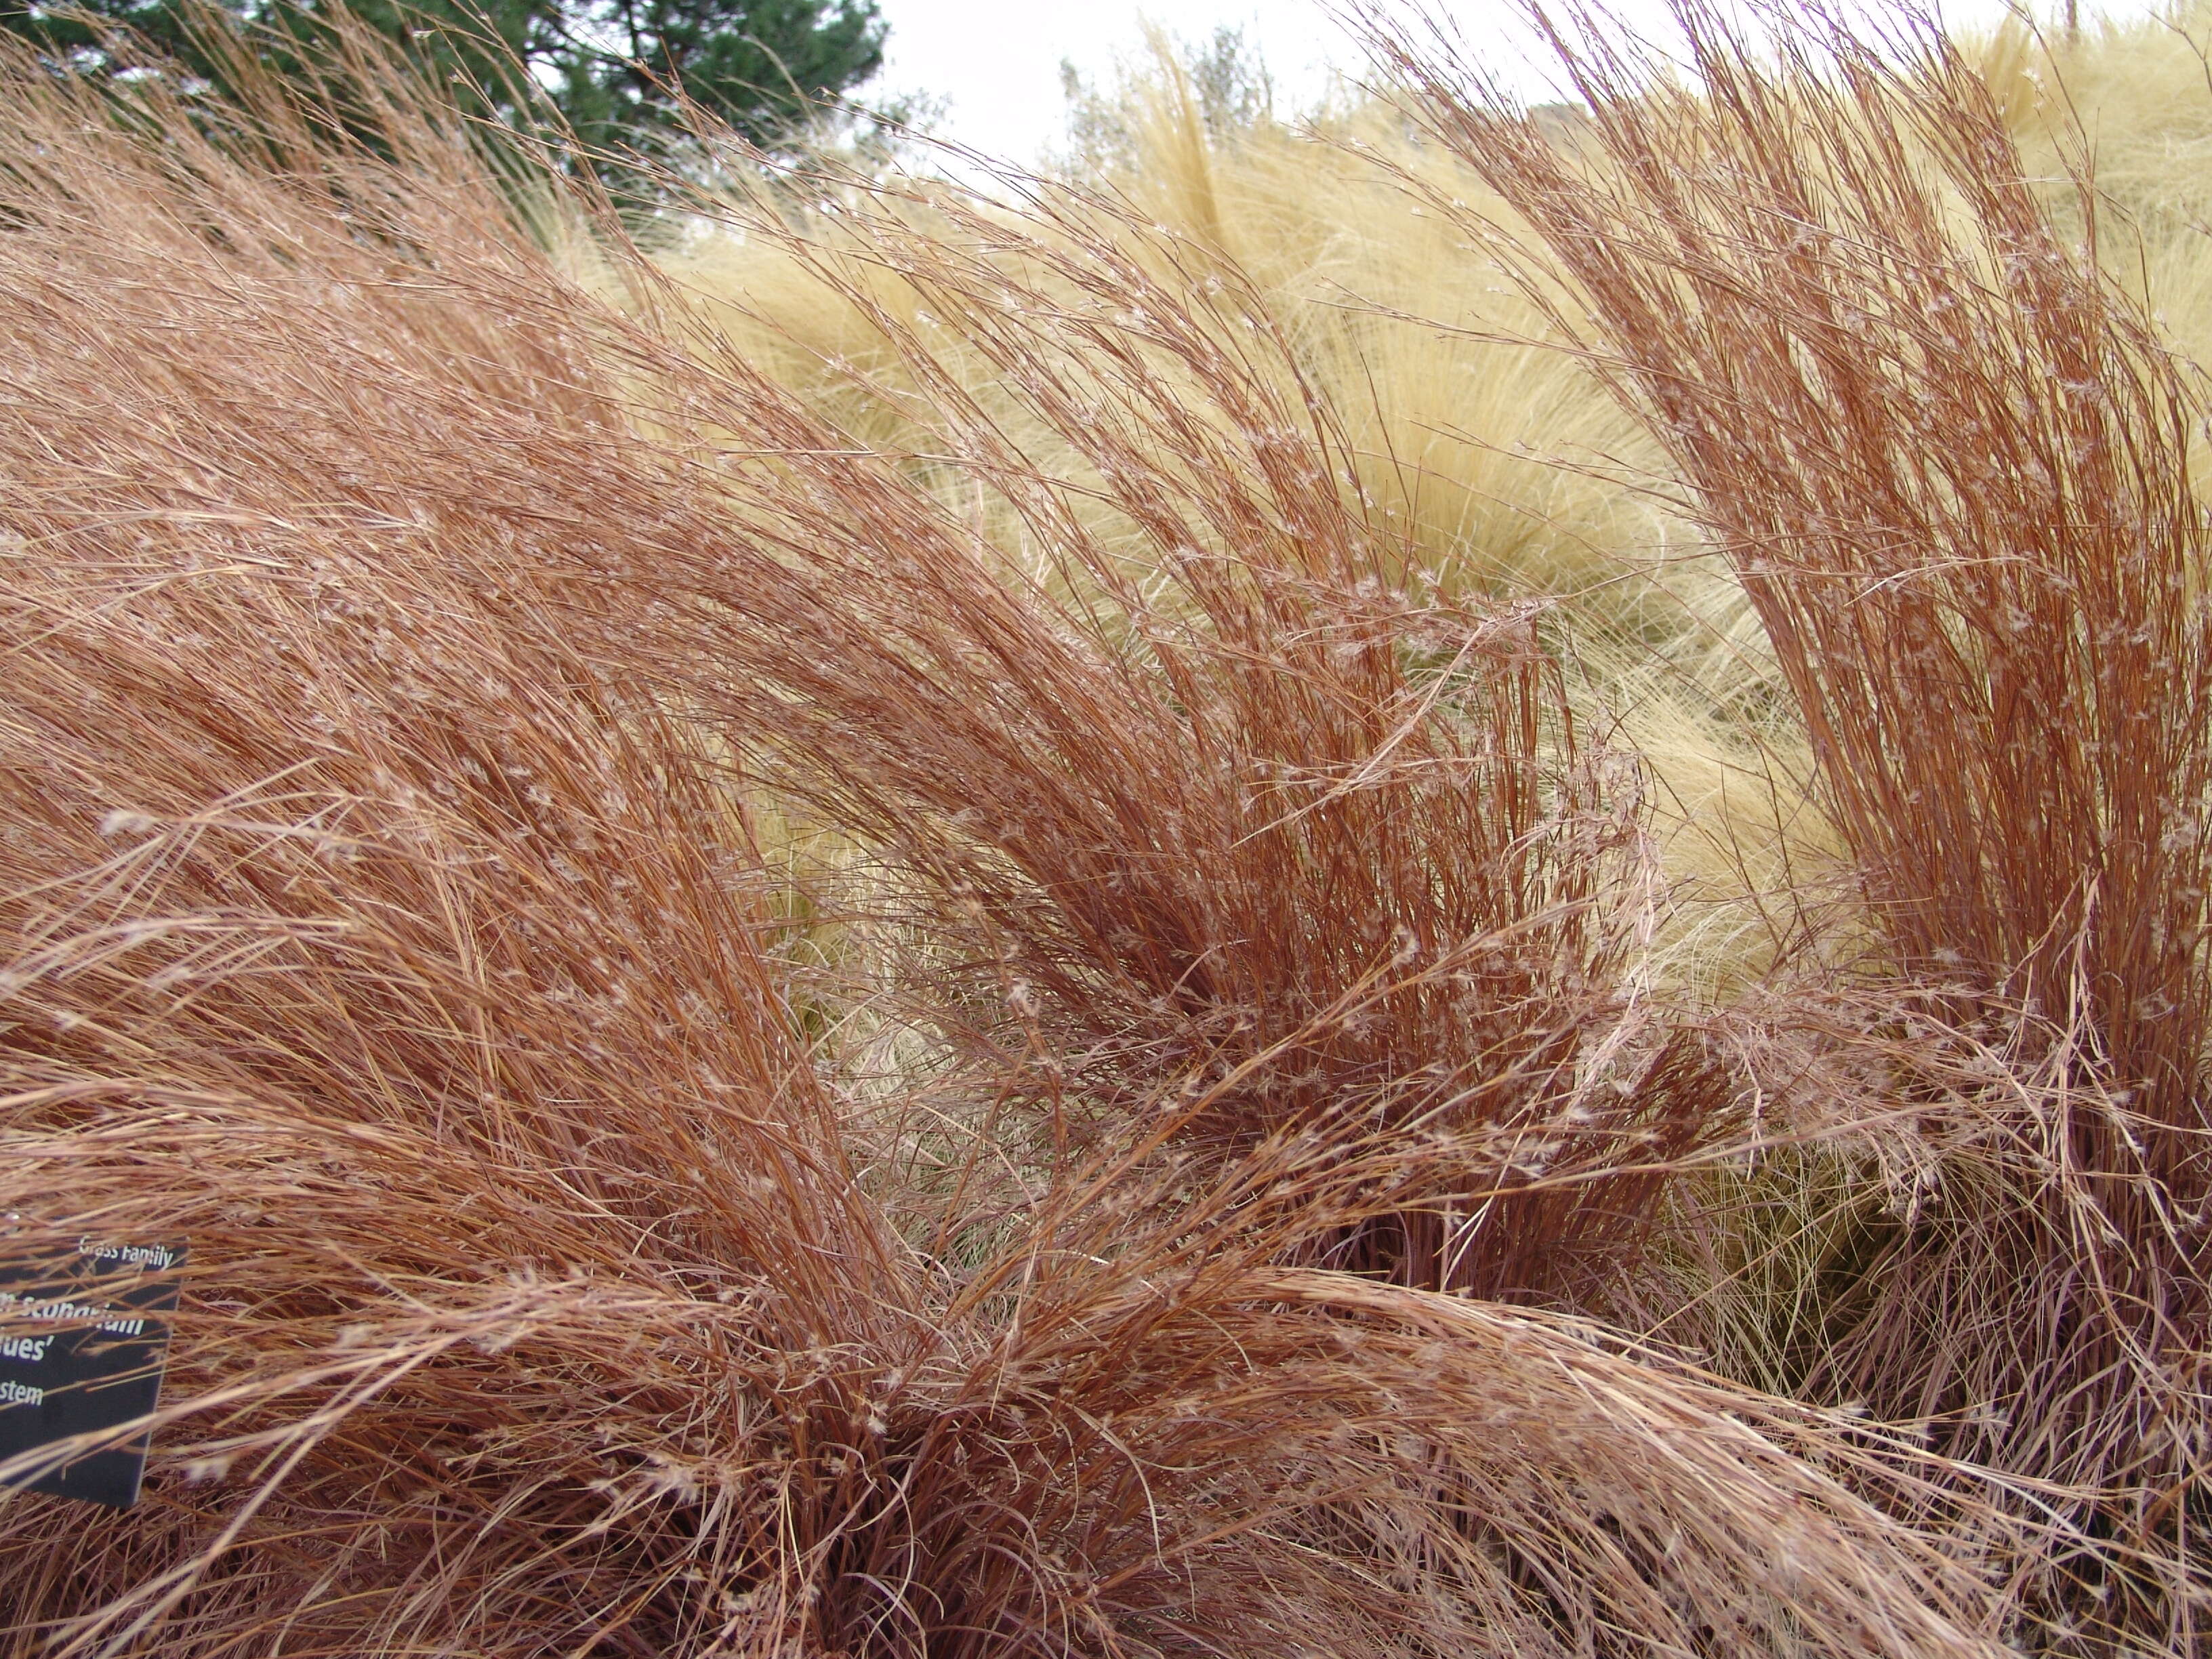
point(1948, 455)
point(400, 637)
point(1210, 821)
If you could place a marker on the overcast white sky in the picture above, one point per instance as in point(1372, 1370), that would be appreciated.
point(997, 62)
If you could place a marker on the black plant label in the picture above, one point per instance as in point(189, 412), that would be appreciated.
point(83, 1338)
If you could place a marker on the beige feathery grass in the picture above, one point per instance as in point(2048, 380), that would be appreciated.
point(2127, 100)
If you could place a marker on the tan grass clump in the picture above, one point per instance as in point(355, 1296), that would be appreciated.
point(2126, 99)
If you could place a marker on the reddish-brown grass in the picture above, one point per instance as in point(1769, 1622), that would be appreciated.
point(383, 611)
point(1210, 821)
point(1948, 459)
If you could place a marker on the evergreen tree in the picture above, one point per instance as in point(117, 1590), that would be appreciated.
point(611, 66)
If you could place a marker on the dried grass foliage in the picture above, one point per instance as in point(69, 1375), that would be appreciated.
point(1156, 1187)
point(1967, 525)
point(1485, 464)
point(1209, 821)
